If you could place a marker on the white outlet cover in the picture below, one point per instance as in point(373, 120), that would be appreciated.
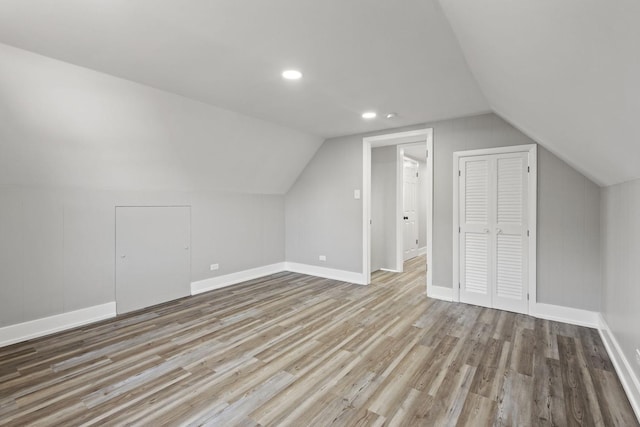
point(323, 257)
point(214, 267)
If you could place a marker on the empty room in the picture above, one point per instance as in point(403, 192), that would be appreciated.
point(319, 213)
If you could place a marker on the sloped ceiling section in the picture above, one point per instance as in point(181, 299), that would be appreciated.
point(356, 55)
point(67, 126)
point(567, 73)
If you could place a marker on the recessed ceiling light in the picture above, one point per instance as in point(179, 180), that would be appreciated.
point(391, 115)
point(292, 74)
point(369, 115)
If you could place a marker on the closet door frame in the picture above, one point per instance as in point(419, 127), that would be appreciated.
point(532, 151)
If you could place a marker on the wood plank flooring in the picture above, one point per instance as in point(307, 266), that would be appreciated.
point(297, 350)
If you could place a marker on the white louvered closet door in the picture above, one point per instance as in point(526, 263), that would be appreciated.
point(493, 231)
point(475, 218)
point(511, 224)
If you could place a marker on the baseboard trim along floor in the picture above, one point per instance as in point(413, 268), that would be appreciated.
point(327, 273)
point(230, 279)
point(48, 325)
point(628, 378)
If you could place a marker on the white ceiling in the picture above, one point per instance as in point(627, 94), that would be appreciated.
point(565, 72)
point(64, 126)
point(356, 55)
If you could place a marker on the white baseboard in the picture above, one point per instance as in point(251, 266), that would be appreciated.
point(328, 273)
point(212, 283)
point(440, 292)
point(59, 322)
point(573, 316)
point(389, 270)
point(628, 378)
point(422, 251)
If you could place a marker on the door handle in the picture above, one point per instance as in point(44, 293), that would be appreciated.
point(406, 217)
point(498, 230)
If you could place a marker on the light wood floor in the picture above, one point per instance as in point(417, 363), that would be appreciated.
point(297, 350)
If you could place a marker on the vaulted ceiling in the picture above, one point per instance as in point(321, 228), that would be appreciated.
point(356, 55)
point(564, 72)
point(567, 73)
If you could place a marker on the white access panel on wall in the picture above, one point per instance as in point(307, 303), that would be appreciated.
point(153, 261)
point(492, 216)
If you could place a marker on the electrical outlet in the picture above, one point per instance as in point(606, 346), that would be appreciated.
point(323, 257)
point(214, 267)
point(638, 355)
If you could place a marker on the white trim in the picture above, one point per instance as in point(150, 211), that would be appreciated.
point(328, 273)
point(533, 227)
point(416, 136)
point(390, 270)
point(440, 292)
point(231, 279)
point(59, 322)
point(430, 202)
point(212, 283)
point(366, 211)
point(573, 316)
point(628, 378)
point(399, 208)
point(532, 149)
point(399, 137)
point(422, 251)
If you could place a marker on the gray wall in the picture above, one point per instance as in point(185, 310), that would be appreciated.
point(384, 164)
point(569, 264)
point(322, 216)
point(336, 169)
point(65, 126)
point(74, 143)
point(57, 246)
point(621, 266)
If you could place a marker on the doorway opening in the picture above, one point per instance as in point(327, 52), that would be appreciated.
point(391, 193)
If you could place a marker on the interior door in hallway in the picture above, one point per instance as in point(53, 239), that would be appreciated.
point(153, 262)
point(410, 208)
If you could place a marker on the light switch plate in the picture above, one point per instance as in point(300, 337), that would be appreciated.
point(356, 194)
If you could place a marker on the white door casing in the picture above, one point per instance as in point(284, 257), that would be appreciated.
point(409, 137)
point(494, 227)
point(410, 208)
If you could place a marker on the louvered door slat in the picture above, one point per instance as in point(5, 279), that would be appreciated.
point(475, 282)
point(511, 250)
point(509, 266)
point(509, 192)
